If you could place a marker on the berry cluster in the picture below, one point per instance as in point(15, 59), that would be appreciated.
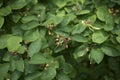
point(60, 40)
point(113, 11)
point(50, 28)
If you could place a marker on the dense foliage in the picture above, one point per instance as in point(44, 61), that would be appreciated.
point(59, 39)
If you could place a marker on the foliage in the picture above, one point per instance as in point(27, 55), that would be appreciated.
point(59, 39)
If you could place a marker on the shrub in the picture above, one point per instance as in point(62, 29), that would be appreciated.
point(59, 39)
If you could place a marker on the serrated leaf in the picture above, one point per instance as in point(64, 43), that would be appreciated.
point(29, 18)
point(60, 3)
point(1, 3)
point(59, 48)
point(67, 19)
point(7, 56)
point(13, 43)
point(16, 18)
point(97, 55)
point(92, 19)
point(63, 76)
point(79, 38)
point(101, 13)
point(52, 62)
point(3, 70)
point(79, 28)
point(5, 11)
point(34, 47)
point(1, 21)
point(48, 74)
point(43, 38)
point(99, 24)
point(37, 58)
point(17, 30)
point(99, 37)
point(110, 51)
point(12, 64)
point(30, 68)
point(3, 40)
point(15, 75)
point(109, 22)
point(31, 35)
point(53, 20)
point(118, 38)
point(80, 51)
point(33, 76)
point(67, 68)
point(21, 49)
point(30, 25)
point(34, 1)
point(20, 65)
point(104, 15)
point(82, 12)
point(17, 4)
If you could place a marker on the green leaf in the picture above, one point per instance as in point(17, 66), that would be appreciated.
point(52, 62)
point(60, 3)
point(34, 1)
point(109, 22)
point(34, 47)
point(30, 25)
point(17, 4)
point(63, 76)
point(15, 75)
point(65, 28)
point(17, 30)
point(48, 74)
point(37, 58)
point(118, 38)
point(99, 24)
point(30, 68)
point(80, 51)
point(53, 20)
point(92, 19)
point(12, 64)
point(67, 68)
point(43, 39)
point(16, 18)
point(99, 36)
point(33, 76)
point(29, 18)
point(3, 40)
point(82, 12)
point(102, 13)
point(3, 70)
point(59, 48)
point(28, 1)
point(13, 43)
point(67, 19)
point(1, 3)
point(20, 65)
point(5, 11)
point(79, 38)
point(1, 21)
point(116, 31)
point(79, 28)
point(110, 51)
point(31, 35)
point(7, 56)
point(21, 49)
point(97, 55)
